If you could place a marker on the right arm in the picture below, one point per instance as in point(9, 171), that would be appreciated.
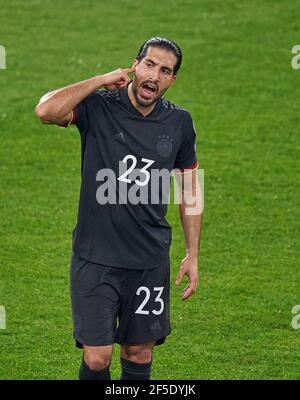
point(56, 107)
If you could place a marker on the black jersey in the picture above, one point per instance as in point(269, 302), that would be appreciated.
point(114, 134)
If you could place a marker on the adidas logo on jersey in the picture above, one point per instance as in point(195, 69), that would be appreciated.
point(120, 136)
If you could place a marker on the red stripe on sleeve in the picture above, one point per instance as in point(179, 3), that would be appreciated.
point(74, 116)
point(193, 166)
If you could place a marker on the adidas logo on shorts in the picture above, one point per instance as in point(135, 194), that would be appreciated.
point(155, 325)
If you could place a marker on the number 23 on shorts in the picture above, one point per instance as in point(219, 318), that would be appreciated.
point(158, 299)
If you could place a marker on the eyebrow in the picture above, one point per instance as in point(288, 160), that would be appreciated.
point(154, 63)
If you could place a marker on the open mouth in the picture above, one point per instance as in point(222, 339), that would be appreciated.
point(149, 89)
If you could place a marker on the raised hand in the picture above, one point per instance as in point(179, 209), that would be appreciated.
point(117, 79)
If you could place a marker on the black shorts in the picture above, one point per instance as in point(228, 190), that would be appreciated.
point(119, 305)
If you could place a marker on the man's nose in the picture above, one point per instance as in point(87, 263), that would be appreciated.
point(155, 74)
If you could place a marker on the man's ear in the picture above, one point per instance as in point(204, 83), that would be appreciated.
point(174, 79)
point(134, 63)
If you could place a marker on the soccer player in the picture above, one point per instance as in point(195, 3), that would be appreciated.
point(120, 266)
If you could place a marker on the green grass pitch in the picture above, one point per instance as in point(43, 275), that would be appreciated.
point(237, 81)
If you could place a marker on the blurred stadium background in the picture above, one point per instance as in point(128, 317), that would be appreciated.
point(238, 84)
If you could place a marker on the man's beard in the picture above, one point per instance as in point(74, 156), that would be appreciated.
point(140, 101)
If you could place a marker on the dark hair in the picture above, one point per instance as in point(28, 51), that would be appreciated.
point(165, 44)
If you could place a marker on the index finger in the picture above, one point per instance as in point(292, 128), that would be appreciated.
point(129, 70)
point(189, 290)
point(187, 294)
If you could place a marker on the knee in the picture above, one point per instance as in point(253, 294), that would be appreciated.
point(137, 354)
point(97, 361)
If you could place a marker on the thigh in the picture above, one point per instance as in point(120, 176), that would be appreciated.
point(145, 307)
point(95, 303)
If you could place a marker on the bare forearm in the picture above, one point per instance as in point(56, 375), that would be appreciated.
point(191, 225)
point(190, 210)
point(60, 102)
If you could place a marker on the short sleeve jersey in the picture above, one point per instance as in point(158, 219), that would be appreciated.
point(114, 134)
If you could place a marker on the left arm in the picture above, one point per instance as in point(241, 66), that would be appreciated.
point(190, 209)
